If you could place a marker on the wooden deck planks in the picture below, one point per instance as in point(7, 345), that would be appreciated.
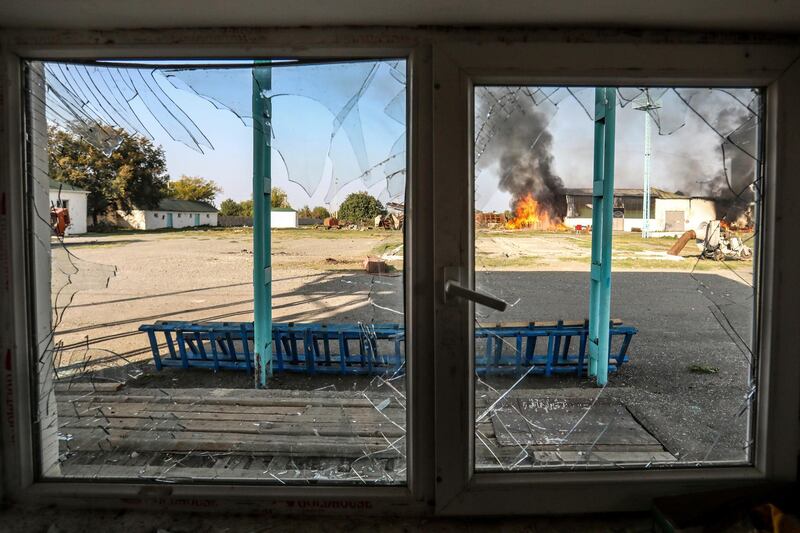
point(192, 441)
point(295, 428)
point(254, 434)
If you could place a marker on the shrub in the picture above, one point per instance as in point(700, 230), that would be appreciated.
point(320, 212)
point(360, 207)
point(230, 208)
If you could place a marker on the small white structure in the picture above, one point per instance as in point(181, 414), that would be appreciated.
point(283, 217)
point(74, 200)
point(170, 213)
point(671, 213)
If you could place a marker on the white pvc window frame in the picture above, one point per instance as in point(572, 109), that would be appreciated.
point(443, 68)
point(458, 68)
point(21, 447)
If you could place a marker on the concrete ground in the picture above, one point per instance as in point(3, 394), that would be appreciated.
point(686, 381)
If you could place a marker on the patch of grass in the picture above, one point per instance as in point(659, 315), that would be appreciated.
point(687, 265)
point(626, 262)
point(640, 246)
point(386, 246)
point(482, 261)
point(321, 233)
point(121, 231)
point(657, 264)
point(703, 369)
point(574, 258)
point(343, 265)
point(99, 244)
point(220, 232)
point(580, 240)
point(633, 242)
point(521, 233)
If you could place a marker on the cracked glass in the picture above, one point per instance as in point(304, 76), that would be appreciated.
point(684, 270)
point(145, 332)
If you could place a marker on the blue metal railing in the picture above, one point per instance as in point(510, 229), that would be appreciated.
point(555, 347)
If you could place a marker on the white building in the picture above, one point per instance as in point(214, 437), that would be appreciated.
point(283, 217)
point(670, 213)
point(170, 213)
point(74, 200)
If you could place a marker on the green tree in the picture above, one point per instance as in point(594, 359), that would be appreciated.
point(360, 207)
point(279, 198)
point(320, 212)
point(230, 208)
point(305, 212)
point(133, 175)
point(246, 207)
point(194, 188)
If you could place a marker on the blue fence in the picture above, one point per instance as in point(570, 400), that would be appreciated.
point(549, 348)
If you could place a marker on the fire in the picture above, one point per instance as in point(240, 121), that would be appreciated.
point(528, 215)
point(741, 224)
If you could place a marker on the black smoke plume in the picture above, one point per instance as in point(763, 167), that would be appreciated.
point(733, 186)
point(521, 147)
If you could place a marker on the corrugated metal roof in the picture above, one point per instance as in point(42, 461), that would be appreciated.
point(174, 204)
point(60, 185)
point(654, 193)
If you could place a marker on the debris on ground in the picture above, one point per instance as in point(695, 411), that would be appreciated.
point(721, 245)
point(489, 220)
point(390, 221)
point(680, 244)
point(395, 254)
point(375, 265)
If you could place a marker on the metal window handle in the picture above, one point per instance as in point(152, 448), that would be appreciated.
point(453, 289)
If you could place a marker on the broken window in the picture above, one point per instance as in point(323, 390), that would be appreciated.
point(685, 218)
point(146, 364)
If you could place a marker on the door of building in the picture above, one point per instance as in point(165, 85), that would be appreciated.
point(169, 220)
point(673, 221)
point(618, 223)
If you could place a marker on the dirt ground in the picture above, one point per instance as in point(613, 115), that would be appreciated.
point(686, 381)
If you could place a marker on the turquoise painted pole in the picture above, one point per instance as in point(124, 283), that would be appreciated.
point(602, 225)
point(262, 244)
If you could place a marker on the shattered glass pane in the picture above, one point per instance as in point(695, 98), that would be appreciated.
point(87, 99)
point(681, 380)
point(145, 311)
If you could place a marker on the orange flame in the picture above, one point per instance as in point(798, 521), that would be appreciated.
point(527, 215)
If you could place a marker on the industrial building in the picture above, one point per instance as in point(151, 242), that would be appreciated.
point(170, 213)
point(672, 213)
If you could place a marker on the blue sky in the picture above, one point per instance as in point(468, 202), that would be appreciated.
point(302, 129)
point(318, 158)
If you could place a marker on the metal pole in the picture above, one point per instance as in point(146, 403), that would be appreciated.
point(262, 245)
point(646, 185)
point(602, 225)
